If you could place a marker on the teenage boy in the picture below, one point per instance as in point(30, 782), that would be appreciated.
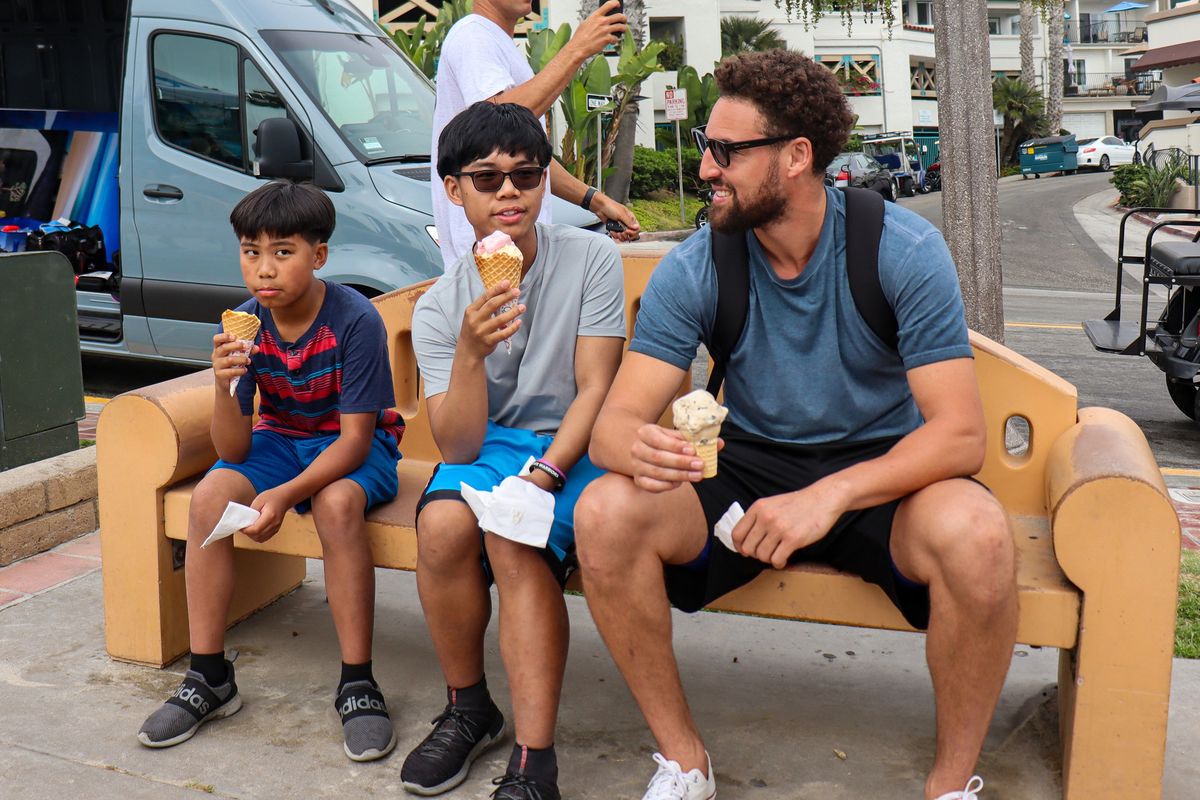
point(326, 440)
point(491, 411)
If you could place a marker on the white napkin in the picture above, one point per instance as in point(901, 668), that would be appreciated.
point(723, 530)
point(236, 517)
point(516, 509)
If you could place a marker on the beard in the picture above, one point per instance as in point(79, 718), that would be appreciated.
point(756, 211)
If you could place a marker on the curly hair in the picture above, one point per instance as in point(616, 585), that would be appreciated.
point(795, 95)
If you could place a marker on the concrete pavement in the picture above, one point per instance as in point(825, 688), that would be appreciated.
point(778, 702)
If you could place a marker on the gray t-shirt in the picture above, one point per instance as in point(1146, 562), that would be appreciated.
point(575, 288)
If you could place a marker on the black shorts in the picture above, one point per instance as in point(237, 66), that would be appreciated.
point(750, 468)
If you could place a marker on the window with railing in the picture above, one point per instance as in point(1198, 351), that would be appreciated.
point(1091, 29)
point(857, 74)
point(1077, 82)
point(923, 79)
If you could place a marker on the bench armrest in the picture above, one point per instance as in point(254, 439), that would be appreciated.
point(157, 436)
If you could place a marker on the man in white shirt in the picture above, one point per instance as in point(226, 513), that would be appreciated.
point(480, 61)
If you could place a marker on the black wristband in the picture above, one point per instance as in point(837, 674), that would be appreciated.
point(586, 202)
point(560, 480)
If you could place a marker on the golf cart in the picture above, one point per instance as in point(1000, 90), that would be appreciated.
point(900, 153)
point(1172, 342)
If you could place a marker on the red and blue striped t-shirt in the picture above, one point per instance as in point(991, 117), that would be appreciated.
point(339, 366)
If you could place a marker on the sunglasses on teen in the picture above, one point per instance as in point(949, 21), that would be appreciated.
point(722, 151)
point(490, 180)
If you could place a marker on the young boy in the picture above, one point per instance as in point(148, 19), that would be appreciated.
point(326, 440)
point(491, 411)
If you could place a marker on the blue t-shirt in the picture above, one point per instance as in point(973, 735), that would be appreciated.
point(339, 366)
point(808, 369)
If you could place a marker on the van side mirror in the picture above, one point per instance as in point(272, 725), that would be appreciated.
point(277, 145)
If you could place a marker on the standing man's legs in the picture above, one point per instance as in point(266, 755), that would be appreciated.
point(624, 536)
point(955, 538)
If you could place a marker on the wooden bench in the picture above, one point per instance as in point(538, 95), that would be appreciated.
point(1097, 537)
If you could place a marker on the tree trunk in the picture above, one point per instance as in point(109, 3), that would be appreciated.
point(617, 185)
point(969, 212)
point(1054, 66)
point(1028, 74)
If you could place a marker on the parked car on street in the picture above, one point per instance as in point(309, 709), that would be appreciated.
point(860, 169)
point(1105, 152)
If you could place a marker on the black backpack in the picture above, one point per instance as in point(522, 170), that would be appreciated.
point(731, 260)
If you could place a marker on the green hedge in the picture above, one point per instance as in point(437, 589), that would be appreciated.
point(656, 170)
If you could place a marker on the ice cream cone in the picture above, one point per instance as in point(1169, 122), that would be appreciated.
point(245, 327)
point(498, 259)
point(698, 417)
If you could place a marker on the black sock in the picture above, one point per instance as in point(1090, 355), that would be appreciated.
point(541, 765)
point(355, 672)
point(474, 697)
point(211, 666)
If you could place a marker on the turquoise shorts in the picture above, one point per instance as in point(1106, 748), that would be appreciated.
point(276, 459)
point(504, 452)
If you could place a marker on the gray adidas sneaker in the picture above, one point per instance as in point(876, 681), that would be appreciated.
point(192, 704)
point(366, 726)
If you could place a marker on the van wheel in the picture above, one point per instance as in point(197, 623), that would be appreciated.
point(1183, 394)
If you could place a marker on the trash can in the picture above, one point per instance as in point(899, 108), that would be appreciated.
point(41, 379)
point(1049, 154)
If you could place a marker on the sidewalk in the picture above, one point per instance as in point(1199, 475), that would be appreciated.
point(778, 701)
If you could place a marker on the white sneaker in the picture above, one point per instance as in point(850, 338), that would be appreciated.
point(672, 783)
point(971, 792)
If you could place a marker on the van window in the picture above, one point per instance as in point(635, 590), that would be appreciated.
point(377, 101)
point(262, 102)
point(196, 96)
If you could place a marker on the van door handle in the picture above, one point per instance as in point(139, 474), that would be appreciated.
point(163, 192)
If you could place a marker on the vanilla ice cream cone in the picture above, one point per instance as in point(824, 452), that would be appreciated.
point(698, 417)
point(245, 327)
point(498, 259)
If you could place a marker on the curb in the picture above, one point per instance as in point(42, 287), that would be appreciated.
point(47, 503)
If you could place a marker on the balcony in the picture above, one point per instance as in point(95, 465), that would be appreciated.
point(1114, 32)
point(1108, 84)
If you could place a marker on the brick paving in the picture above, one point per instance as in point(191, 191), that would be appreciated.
point(45, 571)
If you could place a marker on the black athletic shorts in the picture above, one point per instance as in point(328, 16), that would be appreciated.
point(750, 468)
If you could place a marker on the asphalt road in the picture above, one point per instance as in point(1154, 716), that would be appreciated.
point(1056, 276)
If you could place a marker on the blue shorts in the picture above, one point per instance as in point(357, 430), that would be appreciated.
point(504, 452)
point(275, 459)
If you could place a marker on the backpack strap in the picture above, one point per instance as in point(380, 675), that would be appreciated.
point(864, 229)
point(731, 260)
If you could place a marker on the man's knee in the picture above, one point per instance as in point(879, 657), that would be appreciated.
point(972, 544)
point(447, 533)
point(605, 523)
point(212, 494)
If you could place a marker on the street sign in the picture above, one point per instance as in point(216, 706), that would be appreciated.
point(595, 101)
point(675, 101)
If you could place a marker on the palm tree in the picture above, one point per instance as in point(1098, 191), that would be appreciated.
point(1054, 66)
point(1027, 69)
point(748, 35)
point(1024, 114)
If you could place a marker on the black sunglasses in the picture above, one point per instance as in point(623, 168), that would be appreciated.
point(721, 151)
point(490, 180)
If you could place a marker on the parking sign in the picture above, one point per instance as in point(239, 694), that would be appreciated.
point(675, 101)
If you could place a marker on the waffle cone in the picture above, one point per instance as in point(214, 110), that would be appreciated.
point(242, 325)
point(504, 264)
point(707, 450)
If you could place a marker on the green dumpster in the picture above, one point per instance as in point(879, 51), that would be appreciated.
point(1049, 154)
point(41, 380)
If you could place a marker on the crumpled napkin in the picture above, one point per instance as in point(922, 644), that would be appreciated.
point(723, 530)
point(516, 509)
point(236, 517)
